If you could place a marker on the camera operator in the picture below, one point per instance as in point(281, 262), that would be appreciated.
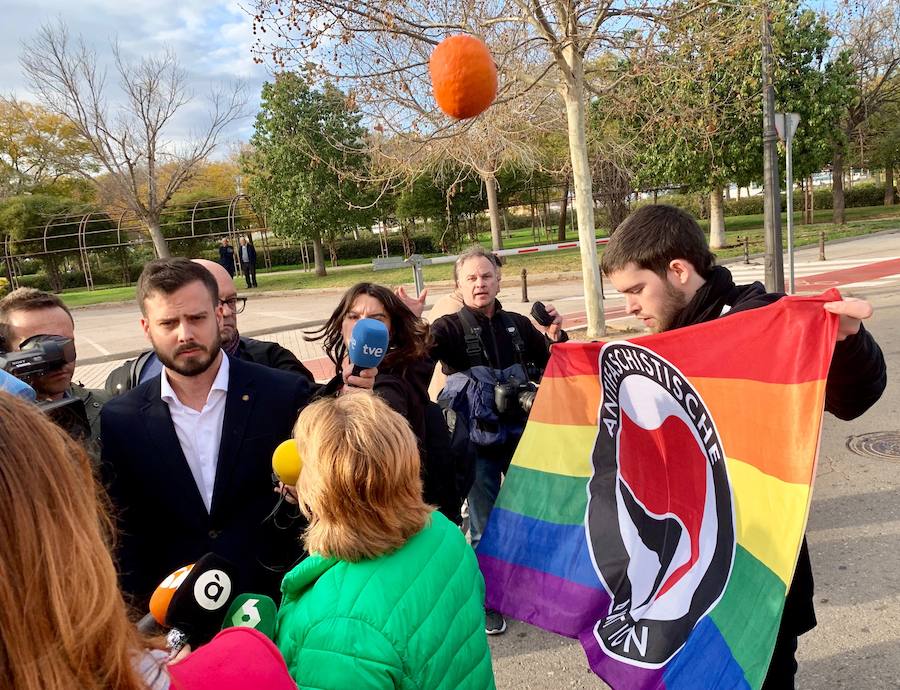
point(27, 316)
point(496, 356)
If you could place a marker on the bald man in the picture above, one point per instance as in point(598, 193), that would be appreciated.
point(273, 355)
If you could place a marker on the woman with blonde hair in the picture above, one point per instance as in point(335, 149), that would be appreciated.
point(391, 595)
point(63, 622)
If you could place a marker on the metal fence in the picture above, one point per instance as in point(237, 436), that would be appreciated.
point(81, 236)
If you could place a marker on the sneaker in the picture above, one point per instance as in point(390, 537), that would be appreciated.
point(494, 622)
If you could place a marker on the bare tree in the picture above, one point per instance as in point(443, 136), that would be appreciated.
point(130, 141)
point(377, 43)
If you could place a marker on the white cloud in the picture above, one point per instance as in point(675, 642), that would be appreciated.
point(212, 39)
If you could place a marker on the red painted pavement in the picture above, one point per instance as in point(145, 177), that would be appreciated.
point(845, 276)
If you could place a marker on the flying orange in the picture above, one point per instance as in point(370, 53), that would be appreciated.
point(463, 76)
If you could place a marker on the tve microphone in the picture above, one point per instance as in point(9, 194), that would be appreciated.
point(368, 344)
point(286, 462)
point(540, 314)
point(255, 611)
point(197, 605)
point(17, 387)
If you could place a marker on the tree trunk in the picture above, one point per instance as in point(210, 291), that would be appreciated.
point(159, 240)
point(563, 212)
point(573, 95)
point(531, 199)
point(889, 198)
point(716, 219)
point(490, 183)
point(319, 257)
point(837, 187)
point(812, 200)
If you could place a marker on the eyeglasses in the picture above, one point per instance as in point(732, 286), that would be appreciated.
point(236, 304)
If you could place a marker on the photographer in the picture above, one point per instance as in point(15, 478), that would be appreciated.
point(27, 317)
point(495, 356)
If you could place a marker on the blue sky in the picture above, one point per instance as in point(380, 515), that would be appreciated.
point(212, 39)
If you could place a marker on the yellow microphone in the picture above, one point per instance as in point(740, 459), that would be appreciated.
point(286, 462)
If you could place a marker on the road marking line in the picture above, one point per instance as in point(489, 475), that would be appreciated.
point(102, 350)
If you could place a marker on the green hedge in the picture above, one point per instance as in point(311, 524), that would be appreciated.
point(363, 248)
point(75, 279)
point(865, 194)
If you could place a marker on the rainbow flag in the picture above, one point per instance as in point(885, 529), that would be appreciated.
point(656, 504)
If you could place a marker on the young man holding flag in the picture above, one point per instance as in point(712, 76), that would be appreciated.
point(658, 258)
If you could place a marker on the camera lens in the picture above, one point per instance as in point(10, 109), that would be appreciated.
point(526, 400)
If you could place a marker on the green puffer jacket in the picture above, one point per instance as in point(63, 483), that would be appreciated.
point(413, 618)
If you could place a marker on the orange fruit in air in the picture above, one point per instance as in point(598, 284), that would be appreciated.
point(463, 76)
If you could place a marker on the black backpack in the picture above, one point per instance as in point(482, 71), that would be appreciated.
point(440, 473)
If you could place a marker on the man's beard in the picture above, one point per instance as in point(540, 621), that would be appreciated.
point(193, 366)
point(674, 304)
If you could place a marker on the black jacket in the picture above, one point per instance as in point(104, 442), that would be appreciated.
point(226, 257)
point(251, 254)
point(271, 355)
point(450, 341)
point(856, 379)
point(163, 522)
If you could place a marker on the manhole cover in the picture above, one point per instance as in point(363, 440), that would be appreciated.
point(884, 445)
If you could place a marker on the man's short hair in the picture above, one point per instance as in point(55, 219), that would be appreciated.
point(170, 275)
point(474, 252)
point(655, 235)
point(27, 299)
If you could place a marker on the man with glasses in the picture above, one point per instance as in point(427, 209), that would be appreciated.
point(147, 365)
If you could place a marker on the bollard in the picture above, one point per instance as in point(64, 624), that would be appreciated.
point(418, 278)
point(822, 245)
point(524, 285)
point(746, 249)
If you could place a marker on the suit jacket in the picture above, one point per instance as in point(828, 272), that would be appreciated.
point(163, 523)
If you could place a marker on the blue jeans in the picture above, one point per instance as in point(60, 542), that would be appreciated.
point(490, 465)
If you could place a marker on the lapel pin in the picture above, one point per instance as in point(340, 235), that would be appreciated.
point(245, 397)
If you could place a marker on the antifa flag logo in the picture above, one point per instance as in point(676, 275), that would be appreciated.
point(660, 519)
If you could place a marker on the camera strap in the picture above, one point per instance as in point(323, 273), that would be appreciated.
point(517, 341)
point(475, 349)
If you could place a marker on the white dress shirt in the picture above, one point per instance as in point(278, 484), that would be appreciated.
point(200, 433)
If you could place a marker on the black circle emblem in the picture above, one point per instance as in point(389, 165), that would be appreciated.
point(660, 519)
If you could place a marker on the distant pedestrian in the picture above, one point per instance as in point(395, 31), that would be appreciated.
point(226, 256)
point(247, 255)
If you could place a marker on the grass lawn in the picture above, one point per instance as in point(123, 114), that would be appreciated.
point(861, 221)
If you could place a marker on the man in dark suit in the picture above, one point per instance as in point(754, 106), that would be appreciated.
point(247, 253)
point(187, 454)
point(147, 365)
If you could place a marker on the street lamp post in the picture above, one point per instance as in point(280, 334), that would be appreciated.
point(786, 124)
point(771, 195)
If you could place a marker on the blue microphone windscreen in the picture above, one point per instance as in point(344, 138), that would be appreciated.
point(10, 384)
point(368, 343)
